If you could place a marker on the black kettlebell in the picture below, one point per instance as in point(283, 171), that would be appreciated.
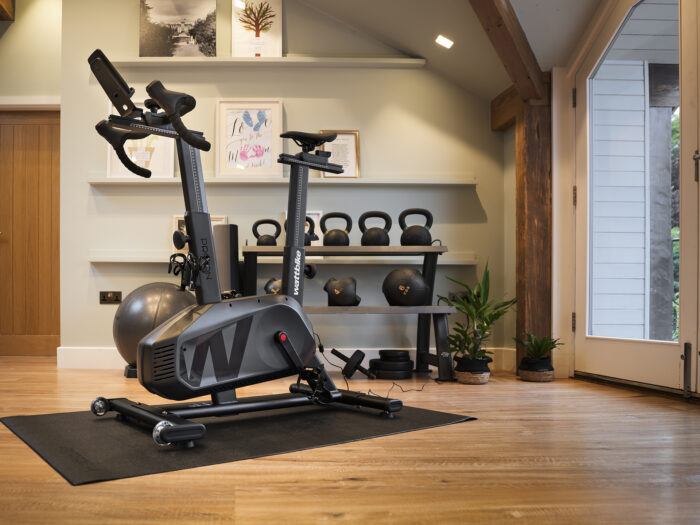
point(375, 236)
point(342, 292)
point(416, 235)
point(336, 237)
point(405, 287)
point(266, 239)
point(309, 235)
point(273, 286)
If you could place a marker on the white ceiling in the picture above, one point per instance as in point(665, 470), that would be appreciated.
point(553, 27)
point(410, 26)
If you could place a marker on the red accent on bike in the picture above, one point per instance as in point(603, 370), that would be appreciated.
point(283, 337)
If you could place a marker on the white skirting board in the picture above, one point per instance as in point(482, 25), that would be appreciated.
point(107, 357)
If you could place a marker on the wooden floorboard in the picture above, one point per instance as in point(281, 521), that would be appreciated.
point(563, 452)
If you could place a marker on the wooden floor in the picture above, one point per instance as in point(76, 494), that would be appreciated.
point(563, 452)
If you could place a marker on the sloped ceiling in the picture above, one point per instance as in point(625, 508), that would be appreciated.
point(553, 27)
point(410, 26)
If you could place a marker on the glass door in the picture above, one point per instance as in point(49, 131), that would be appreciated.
point(636, 219)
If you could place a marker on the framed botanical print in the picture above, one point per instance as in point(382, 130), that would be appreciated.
point(256, 28)
point(248, 137)
point(345, 150)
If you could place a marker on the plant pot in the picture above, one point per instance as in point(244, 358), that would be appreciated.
point(472, 371)
point(536, 370)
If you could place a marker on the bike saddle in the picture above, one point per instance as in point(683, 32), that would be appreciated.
point(309, 141)
point(171, 102)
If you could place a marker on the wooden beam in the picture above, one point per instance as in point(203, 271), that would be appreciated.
point(533, 186)
point(505, 108)
point(7, 10)
point(508, 38)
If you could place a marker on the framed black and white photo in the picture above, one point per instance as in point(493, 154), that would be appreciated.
point(154, 153)
point(248, 137)
point(345, 150)
point(179, 224)
point(256, 28)
point(172, 28)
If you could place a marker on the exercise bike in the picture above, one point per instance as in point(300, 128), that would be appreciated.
point(216, 346)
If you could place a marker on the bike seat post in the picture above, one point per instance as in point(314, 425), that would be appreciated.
point(294, 251)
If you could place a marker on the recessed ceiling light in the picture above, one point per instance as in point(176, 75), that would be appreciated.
point(444, 41)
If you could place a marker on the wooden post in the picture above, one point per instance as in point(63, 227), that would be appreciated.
point(533, 186)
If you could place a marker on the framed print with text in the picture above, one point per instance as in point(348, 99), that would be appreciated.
point(248, 137)
point(345, 150)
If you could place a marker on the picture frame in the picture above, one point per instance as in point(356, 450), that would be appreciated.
point(170, 28)
point(256, 28)
point(154, 153)
point(345, 150)
point(248, 138)
point(178, 223)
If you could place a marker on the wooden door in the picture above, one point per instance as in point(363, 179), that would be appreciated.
point(29, 238)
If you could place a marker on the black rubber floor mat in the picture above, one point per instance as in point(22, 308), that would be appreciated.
point(84, 448)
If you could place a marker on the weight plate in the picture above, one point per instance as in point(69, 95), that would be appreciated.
point(394, 355)
point(399, 366)
point(388, 374)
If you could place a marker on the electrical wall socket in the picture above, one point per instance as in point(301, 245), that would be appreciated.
point(110, 297)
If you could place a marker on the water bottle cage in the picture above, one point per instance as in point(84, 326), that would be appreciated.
point(188, 267)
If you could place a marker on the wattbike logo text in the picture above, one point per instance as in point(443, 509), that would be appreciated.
point(297, 272)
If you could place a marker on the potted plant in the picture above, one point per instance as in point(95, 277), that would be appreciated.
point(537, 364)
point(467, 338)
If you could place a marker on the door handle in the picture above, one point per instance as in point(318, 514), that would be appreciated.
point(696, 159)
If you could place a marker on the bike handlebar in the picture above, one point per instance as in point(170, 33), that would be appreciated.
point(116, 139)
point(175, 106)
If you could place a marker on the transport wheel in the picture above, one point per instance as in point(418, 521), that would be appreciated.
point(157, 431)
point(99, 406)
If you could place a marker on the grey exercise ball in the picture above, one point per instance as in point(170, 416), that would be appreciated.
point(142, 311)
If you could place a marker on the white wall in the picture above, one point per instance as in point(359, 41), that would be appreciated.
point(412, 124)
point(30, 50)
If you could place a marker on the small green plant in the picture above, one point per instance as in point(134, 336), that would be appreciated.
point(467, 338)
point(538, 348)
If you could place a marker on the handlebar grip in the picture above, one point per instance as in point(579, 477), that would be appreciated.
point(194, 140)
point(116, 139)
point(134, 168)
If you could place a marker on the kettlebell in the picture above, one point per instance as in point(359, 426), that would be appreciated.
point(342, 292)
point(336, 237)
point(273, 286)
point(405, 287)
point(416, 235)
point(309, 235)
point(375, 236)
point(266, 239)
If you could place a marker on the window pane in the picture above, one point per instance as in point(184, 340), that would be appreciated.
point(634, 230)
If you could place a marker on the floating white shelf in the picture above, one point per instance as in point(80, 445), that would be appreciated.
point(273, 62)
point(162, 257)
point(283, 181)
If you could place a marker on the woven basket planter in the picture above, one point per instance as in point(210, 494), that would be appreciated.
point(470, 378)
point(537, 377)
